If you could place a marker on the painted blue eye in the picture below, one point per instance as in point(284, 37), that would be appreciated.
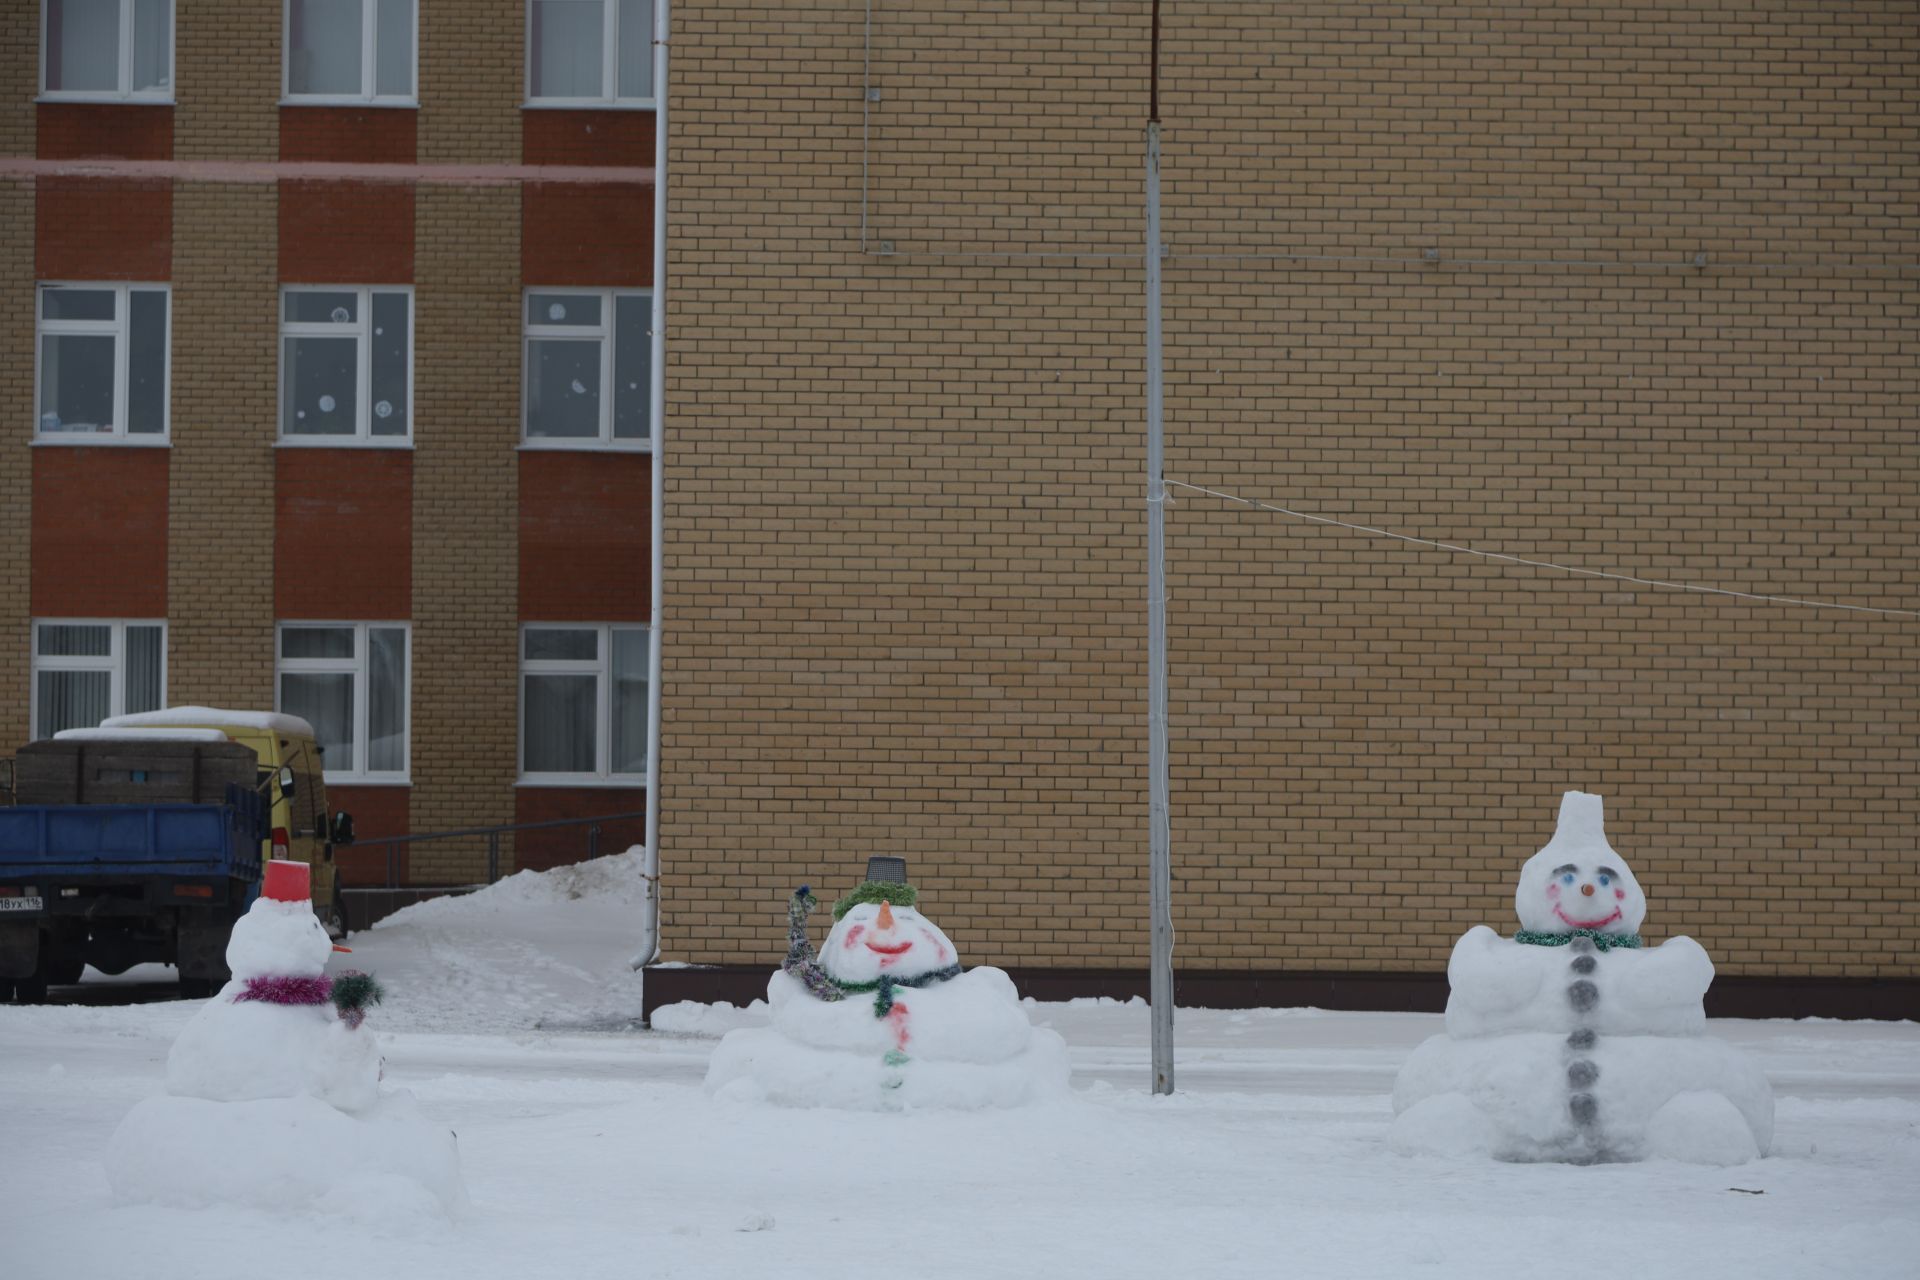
point(1567, 879)
point(1605, 881)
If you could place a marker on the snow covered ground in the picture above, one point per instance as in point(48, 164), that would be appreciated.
point(598, 1153)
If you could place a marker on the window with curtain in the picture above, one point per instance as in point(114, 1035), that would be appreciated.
point(588, 368)
point(590, 51)
point(85, 670)
point(103, 362)
point(583, 702)
point(350, 681)
point(107, 49)
point(350, 50)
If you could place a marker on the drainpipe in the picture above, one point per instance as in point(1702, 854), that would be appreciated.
point(649, 949)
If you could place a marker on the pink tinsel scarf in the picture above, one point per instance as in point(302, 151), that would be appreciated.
point(283, 990)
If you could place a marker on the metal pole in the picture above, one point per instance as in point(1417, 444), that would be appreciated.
point(1160, 890)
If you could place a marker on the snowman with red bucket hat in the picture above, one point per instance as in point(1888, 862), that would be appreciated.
point(273, 1087)
point(884, 1017)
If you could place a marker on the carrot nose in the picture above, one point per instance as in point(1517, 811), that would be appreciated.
point(884, 920)
point(343, 950)
point(1586, 890)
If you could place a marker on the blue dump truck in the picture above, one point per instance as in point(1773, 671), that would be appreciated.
point(153, 854)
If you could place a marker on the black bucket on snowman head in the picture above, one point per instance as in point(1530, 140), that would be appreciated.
point(887, 870)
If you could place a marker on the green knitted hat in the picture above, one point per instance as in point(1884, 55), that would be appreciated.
point(886, 882)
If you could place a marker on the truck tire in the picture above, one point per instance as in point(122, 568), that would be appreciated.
point(198, 988)
point(30, 990)
point(63, 968)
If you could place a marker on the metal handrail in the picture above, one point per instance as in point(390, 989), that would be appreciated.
point(493, 835)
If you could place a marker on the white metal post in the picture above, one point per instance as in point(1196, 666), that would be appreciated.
point(1160, 888)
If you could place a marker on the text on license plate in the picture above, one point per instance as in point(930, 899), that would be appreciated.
point(34, 903)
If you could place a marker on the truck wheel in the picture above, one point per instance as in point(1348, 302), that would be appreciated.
point(30, 990)
point(197, 988)
point(6, 990)
point(63, 969)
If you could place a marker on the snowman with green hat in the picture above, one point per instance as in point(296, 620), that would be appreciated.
point(883, 1016)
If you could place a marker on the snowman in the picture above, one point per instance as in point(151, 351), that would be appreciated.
point(884, 1017)
point(1572, 1041)
point(273, 1087)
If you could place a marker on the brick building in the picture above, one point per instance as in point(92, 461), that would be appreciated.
point(376, 451)
point(1629, 286)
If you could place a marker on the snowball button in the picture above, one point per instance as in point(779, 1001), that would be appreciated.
point(1573, 1042)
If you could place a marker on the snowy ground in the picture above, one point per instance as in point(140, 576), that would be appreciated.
point(597, 1153)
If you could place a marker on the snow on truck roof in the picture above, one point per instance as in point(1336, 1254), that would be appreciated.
point(211, 718)
point(140, 735)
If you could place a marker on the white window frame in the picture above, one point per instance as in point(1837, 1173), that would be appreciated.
point(118, 329)
point(609, 65)
point(369, 64)
point(114, 663)
point(601, 669)
point(361, 329)
point(164, 95)
point(604, 332)
point(357, 667)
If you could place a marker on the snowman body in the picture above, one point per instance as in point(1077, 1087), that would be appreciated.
point(238, 1049)
point(911, 1030)
point(1573, 1042)
point(274, 1101)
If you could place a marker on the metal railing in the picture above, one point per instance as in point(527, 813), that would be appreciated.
point(394, 844)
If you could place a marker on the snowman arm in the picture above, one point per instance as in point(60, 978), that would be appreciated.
point(802, 961)
point(1488, 972)
point(1677, 972)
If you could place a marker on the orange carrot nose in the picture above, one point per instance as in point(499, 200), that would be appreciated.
point(1586, 890)
point(345, 950)
point(884, 921)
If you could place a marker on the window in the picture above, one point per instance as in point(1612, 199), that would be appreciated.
point(103, 362)
point(583, 703)
point(589, 368)
point(590, 51)
point(346, 367)
point(85, 670)
point(350, 681)
point(107, 49)
point(350, 50)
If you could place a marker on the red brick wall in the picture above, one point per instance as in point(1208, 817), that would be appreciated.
point(94, 130)
point(99, 532)
point(558, 846)
point(587, 236)
point(346, 232)
point(96, 229)
point(343, 534)
point(586, 522)
point(377, 811)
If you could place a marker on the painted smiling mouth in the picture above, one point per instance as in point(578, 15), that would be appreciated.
point(900, 949)
point(1578, 924)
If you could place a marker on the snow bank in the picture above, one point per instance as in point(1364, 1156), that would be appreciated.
point(540, 949)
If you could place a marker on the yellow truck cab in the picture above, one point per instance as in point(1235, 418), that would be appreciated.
point(290, 775)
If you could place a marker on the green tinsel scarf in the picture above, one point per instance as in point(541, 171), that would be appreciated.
point(893, 893)
point(884, 987)
point(1604, 941)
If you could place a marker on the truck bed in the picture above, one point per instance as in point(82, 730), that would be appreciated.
point(117, 840)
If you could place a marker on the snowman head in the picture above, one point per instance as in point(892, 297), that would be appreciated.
point(878, 933)
point(1578, 881)
point(280, 936)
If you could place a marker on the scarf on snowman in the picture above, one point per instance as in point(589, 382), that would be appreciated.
point(1604, 941)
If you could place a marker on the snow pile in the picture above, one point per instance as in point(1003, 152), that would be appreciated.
point(1571, 1041)
point(140, 735)
point(212, 717)
point(887, 1021)
point(540, 949)
point(273, 1097)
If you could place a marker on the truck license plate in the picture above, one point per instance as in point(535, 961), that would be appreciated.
point(34, 903)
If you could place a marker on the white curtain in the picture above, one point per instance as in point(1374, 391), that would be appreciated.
point(323, 46)
point(83, 45)
point(569, 40)
point(560, 723)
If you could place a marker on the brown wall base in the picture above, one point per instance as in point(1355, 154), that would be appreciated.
point(1396, 992)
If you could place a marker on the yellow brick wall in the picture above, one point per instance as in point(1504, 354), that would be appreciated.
point(904, 529)
point(472, 78)
point(19, 72)
point(226, 56)
point(220, 473)
point(465, 533)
